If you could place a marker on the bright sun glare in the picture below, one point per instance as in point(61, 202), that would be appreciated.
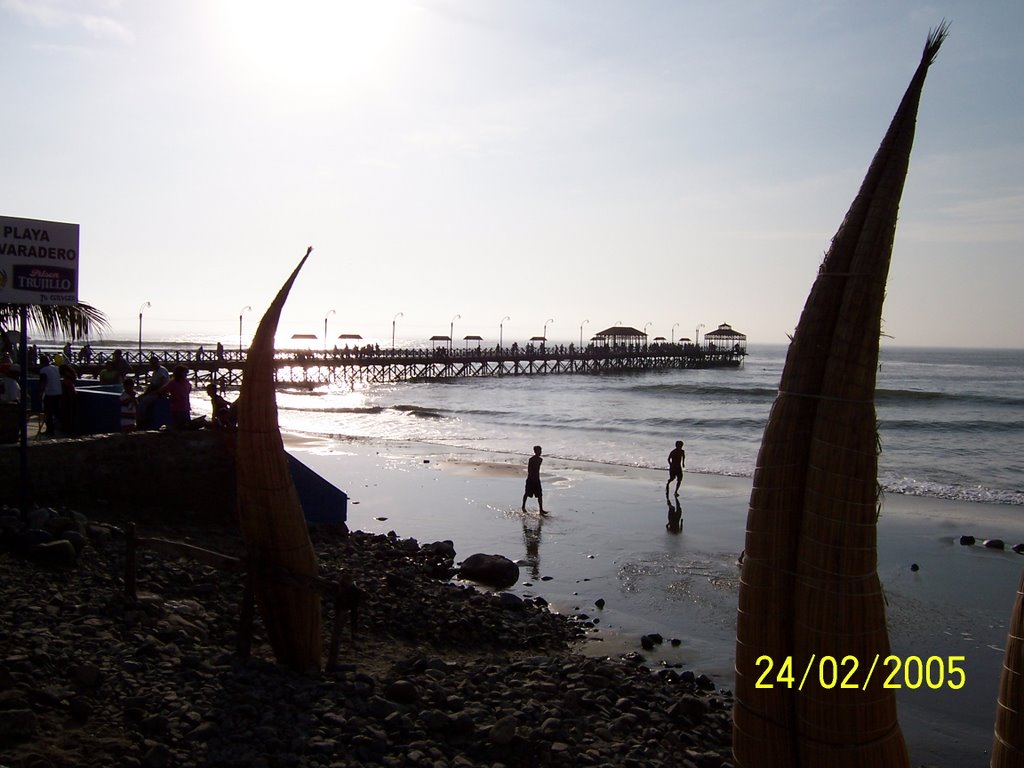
point(301, 45)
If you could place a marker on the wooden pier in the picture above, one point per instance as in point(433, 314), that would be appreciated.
point(372, 365)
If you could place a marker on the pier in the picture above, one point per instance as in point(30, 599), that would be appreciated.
point(371, 364)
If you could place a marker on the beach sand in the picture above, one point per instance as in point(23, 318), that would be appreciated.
point(605, 537)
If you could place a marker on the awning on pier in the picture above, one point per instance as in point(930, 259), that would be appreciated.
point(470, 338)
point(303, 335)
point(350, 336)
point(724, 335)
point(621, 334)
point(434, 339)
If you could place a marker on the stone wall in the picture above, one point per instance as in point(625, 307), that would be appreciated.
point(189, 474)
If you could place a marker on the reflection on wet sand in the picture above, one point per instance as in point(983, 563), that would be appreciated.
point(531, 540)
point(675, 514)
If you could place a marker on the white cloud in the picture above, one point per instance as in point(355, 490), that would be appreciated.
point(58, 15)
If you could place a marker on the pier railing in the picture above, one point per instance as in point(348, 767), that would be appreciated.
point(371, 364)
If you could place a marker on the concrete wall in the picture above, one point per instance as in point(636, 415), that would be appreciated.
point(189, 474)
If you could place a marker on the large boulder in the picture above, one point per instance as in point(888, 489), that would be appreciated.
point(491, 570)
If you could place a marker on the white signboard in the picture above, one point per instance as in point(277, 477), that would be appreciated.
point(38, 262)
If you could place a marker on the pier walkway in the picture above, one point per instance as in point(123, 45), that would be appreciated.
point(372, 365)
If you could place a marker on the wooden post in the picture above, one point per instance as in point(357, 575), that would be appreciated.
point(129, 562)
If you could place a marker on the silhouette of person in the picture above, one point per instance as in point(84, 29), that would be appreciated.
point(223, 412)
point(159, 378)
point(178, 390)
point(533, 480)
point(49, 376)
point(129, 405)
point(676, 462)
point(675, 515)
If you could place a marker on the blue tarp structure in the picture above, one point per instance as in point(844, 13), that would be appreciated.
point(322, 503)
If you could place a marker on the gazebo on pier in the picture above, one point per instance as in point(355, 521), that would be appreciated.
point(724, 337)
point(620, 334)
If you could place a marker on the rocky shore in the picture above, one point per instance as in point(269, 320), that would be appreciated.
point(438, 673)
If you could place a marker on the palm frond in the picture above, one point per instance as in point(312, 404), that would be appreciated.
point(68, 321)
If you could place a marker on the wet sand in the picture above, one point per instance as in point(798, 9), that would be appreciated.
point(605, 537)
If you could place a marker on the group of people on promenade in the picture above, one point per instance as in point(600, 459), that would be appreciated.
point(59, 397)
point(676, 463)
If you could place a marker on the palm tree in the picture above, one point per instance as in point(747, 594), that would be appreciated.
point(70, 321)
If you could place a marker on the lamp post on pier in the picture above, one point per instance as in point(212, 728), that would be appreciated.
point(244, 309)
point(147, 304)
point(451, 332)
point(696, 335)
point(501, 328)
point(393, 321)
point(646, 326)
point(329, 313)
point(544, 335)
point(581, 332)
point(674, 332)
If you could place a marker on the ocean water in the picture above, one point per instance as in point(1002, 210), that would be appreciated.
point(951, 421)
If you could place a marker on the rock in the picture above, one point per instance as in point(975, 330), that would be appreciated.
point(443, 549)
point(17, 725)
point(86, 675)
point(491, 570)
point(510, 601)
point(59, 553)
point(599, 603)
point(1018, 548)
point(649, 641)
point(915, 567)
point(503, 731)
point(402, 692)
point(995, 544)
point(966, 541)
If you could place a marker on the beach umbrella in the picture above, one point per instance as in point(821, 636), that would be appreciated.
point(810, 601)
point(270, 515)
point(1008, 740)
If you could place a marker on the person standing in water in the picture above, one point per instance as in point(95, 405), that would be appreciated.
point(676, 462)
point(533, 479)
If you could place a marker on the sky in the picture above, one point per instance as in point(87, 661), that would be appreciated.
point(513, 167)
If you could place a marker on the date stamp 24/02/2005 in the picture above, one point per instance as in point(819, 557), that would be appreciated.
point(848, 672)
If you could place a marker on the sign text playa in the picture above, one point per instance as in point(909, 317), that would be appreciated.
point(38, 262)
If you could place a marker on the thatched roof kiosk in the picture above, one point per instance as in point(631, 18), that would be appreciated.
point(725, 336)
point(809, 588)
point(621, 334)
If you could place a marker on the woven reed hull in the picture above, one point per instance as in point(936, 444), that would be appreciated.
point(764, 719)
point(1008, 738)
point(270, 514)
point(809, 586)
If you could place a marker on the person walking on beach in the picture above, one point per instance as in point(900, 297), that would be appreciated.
point(533, 479)
point(676, 462)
